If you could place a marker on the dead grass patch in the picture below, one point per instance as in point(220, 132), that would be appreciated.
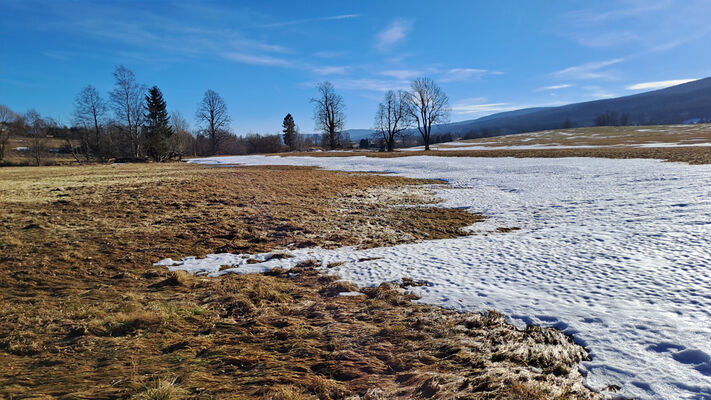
point(692, 155)
point(84, 314)
point(615, 142)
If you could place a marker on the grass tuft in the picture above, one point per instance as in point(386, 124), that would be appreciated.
point(164, 389)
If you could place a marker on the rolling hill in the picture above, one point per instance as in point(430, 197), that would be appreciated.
point(688, 102)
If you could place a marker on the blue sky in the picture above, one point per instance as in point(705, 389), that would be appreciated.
point(264, 57)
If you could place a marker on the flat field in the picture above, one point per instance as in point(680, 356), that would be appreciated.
point(613, 252)
point(18, 152)
point(678, 143)
point(637, 136)
point(85, 314)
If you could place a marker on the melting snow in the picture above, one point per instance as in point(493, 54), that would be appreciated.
point(614, 252)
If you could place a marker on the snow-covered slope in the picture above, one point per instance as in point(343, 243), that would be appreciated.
point(614, 252)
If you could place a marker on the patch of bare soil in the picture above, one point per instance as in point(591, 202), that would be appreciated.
point(83, 314)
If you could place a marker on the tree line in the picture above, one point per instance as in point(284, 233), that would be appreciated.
point(132, 123)
point(423, 106)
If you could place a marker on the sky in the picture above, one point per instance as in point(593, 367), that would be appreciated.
point(266, 57)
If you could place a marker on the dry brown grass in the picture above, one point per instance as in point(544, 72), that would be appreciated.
point(15, 157)
point(691, 155)
point(83, 314)
point(605, 136)
point(616, 142)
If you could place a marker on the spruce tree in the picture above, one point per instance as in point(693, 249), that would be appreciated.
point(289, 132)
point(157, 129)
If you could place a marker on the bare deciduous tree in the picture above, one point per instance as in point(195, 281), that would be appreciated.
point(392, 117)
point(127, 102)
point(428, 105)
point(328, 114)
point(212, 113)
point(182, 142)
point(7, 117)
point(89, 112)
point(37, 133)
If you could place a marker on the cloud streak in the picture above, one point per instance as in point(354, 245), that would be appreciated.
point(479, 107)
point(258, 59)
point(331, 70)
point(376, 85)
point(465, 74)
point(658, 84)
point(589, 70)
point(557, 87)
point(641, 8)
point(403, 74)
point(598, 92)
point(308, 20)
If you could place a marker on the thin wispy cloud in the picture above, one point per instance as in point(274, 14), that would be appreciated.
point(636, 8)
point(640, 26)
point(441, 75)
point(597, 92)
point(465, 74)
point(589, 70)
point(601, 27)
point(151, 32)
point(403, 74)
point(476, 109)
point(479, 107)
point(658, 84)
point(272, 61)
point(310, 20)
point(607, 39)
point(557, 87)
point(395, 33)
point(258, 59)
point(331, 70)
point(377, 85)
point(244, 43)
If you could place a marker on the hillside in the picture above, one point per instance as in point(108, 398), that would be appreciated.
point(674, 105)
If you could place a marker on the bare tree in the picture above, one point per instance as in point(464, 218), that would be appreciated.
point(212, 113)
point(89, 112)
point(127, 102)
point(428, 105)
point(182, 142)
point(37, 132)
point(7, 117)
point(328, 114)
point(392, 117)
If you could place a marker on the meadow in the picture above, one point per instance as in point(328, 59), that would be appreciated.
point(85, 314)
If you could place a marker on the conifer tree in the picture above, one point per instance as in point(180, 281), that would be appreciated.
point(289, 132)
point(157, 128)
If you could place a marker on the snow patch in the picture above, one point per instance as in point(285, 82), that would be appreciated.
point(614, 252)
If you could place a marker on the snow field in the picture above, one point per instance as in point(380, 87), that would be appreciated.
point(615, 252)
